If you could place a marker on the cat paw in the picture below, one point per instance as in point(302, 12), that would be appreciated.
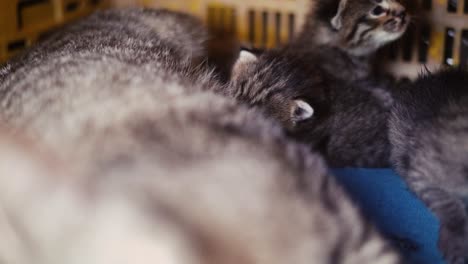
point(454, 246)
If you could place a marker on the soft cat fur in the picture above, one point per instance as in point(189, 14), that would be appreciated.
point(135, 35)
point(344, 34)
point(345, 120)
point(167, 172)
point(146, 201)
point(429, 135)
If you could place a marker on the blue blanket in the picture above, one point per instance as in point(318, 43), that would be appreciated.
point(400, 215)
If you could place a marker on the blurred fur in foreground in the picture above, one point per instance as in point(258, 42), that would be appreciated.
point(157, 168)
point(146, 212)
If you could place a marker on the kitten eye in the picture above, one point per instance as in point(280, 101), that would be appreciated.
point(378, 10)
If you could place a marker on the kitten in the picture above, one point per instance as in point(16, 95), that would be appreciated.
point(320, 86)
point(346, 122)
point(181, 174)
point(344, 34)
point(134, 35)
point(429, 135)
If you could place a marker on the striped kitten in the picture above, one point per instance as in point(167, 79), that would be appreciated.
point(343, 34)
point(167, 172)
point(346, 121)
point(429, 135)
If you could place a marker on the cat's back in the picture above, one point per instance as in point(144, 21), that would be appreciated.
point(179, 171)
point(429, 137)
point(213, 207)
point(211, 172)
point(430, 114)
point(98, 58)
point(67, 94)
point(358, 125)
point(134, 35)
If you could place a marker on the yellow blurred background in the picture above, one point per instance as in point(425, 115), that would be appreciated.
point(439, 34)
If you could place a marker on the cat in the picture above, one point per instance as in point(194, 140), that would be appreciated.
point(325, 77)
point(134, 35)
point(231, 201)
point(168, 171)
point(346, 121)
point(343, 35)
point(138, 36)
point(429, 137)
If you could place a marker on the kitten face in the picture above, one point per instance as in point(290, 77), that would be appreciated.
point(362, 26)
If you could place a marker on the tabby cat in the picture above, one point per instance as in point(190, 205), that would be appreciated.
point(346, 121)
point(429, 136)
point(160, 169)
point(320, 85)
point(135, 35)
point(344, 34)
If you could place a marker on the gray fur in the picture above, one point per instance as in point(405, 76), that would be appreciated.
point(328, 68)
point(345, 50)
point(159, 169)
point(145, 201)
point(133, 35)
point(429, 135)
point(349, 125)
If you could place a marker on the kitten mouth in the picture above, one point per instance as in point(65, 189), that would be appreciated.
point(395, 27)
point(403, 25)
point(396, 24)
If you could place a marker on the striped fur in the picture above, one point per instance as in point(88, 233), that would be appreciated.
point(135, 35)
point(159, 169)
point(349, 123)
point(345, 34)
point(429, 135)
point(231, 201)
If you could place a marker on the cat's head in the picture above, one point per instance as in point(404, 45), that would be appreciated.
point(286, 88)
point(359, 26)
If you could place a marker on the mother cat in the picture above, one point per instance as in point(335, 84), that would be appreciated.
point(158, 168)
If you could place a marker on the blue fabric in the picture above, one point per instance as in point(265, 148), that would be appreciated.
point(386, 200)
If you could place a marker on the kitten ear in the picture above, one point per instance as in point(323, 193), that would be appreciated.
point(301, 111)
point(245, 58)
point(336, 21)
